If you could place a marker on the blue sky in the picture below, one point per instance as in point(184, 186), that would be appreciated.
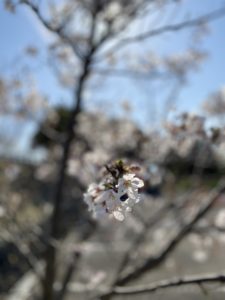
point(212, 73)
point(22, 29)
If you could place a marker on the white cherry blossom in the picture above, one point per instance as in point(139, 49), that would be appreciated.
point(114, 195)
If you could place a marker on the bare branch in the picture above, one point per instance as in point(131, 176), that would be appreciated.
point(169, 283)
point(219, 13)
point(68, 274)
point(56, 30)
point(27, 254)
point(140, 238)
point(152, 262)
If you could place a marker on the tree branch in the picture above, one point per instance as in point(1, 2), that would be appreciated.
point(219, 13)
point(50, 271)
point(55, 30)
point(169, 283)
point(25, 251)
point(153, 262)
point(68, 275)
point(140, 238)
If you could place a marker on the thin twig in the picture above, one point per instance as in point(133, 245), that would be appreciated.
point(55, 30)
point(169, 283)
point(26, 253)
point(68, 274)
point(214, 15)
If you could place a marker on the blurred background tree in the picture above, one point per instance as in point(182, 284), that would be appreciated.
point(98, 50)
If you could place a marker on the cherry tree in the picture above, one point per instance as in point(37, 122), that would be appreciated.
point(91, 41)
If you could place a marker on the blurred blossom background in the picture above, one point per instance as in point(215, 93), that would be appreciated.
point(84, 86)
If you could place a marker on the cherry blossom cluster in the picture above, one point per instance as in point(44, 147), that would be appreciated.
point(117, 193)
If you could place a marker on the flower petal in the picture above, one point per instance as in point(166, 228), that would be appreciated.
point(128, 176)
point(118, 215)
point(136, 182)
